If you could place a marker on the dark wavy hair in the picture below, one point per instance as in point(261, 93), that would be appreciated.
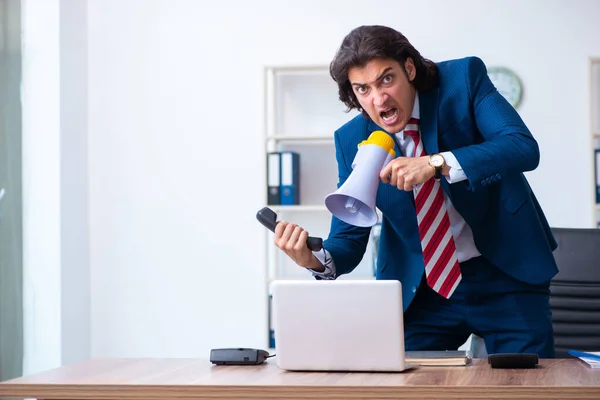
point(365, 43)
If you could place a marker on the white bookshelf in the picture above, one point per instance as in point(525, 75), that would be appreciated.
point(302, 112)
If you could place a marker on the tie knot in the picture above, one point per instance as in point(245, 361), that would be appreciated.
point(412, 128)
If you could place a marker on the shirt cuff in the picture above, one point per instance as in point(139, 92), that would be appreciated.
point(456, 172)
point(325, 258)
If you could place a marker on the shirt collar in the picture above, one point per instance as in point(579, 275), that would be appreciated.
point(416, 113)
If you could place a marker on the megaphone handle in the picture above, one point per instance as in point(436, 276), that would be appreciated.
point(314, 243)
point(268, 218)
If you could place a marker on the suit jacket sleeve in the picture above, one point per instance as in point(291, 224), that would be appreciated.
point(346, 243)
point(507, 148)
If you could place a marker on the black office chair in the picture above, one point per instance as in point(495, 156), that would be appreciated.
point(575, 290)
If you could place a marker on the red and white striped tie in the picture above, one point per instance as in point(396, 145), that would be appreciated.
point(439, 250)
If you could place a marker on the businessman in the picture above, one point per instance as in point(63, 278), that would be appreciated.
point(461, 227)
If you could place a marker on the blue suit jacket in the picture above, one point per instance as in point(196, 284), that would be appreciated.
point(466, 115)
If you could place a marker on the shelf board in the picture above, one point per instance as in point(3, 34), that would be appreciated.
point(300, 138)
point(299, 208)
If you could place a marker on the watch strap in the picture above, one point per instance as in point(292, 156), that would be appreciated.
point(438, 173)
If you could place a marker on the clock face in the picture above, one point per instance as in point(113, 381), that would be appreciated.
point(508, 84)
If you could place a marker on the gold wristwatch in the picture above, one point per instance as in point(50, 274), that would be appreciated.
point(437, 162)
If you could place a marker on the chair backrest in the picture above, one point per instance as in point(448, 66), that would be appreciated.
point(575, 290)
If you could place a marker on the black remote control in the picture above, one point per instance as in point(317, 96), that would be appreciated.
point(268, 218)
point(238, 356)
point(513, 360)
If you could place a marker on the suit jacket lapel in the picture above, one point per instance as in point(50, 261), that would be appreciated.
point(428, 103)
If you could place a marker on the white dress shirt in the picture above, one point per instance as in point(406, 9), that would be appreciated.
point(461, 231)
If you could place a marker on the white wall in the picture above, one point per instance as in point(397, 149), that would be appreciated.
point(75, 269)
point(41, 184)
point(175, 161)
point(55, 205)
point(176, 169)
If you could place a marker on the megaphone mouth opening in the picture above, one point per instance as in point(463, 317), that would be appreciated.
point(351, 210)
point(353, 205)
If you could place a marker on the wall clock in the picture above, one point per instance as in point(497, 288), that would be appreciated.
point(508, 84)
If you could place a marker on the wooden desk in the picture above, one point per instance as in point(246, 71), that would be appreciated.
point(199, 379)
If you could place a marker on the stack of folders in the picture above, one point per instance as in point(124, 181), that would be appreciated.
point(597, 174)
point(283, 178)
point(440, 358)
point(591, 358)
point(597, 181)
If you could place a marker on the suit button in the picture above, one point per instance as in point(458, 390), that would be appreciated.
point(414, 289)
point(483, 182)
point(498, 176)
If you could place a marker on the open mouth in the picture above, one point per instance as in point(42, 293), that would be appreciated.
point(389, 115)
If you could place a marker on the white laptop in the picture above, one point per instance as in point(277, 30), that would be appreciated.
point(340, 325)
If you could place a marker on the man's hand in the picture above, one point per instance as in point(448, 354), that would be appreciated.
point(405, 172)
point(291, 239)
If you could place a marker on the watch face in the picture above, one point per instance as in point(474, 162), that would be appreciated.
point(508, 84)
point(436, 160)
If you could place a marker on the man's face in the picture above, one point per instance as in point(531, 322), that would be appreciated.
point(385, 91)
